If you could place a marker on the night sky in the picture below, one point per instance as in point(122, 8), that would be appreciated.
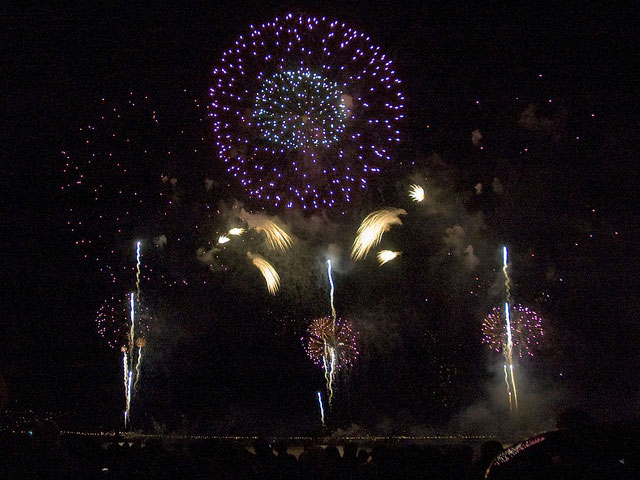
point(520, 123)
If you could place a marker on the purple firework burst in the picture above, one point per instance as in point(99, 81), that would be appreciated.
point(114, 320)
point(526, 330)
point(304, 111)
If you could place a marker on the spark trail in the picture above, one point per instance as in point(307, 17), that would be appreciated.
point(321, 408)
point(269, 273)
point(277, 238)
point(333, 308)
point(331, 342)
point(131, 361)
point(138, 264)
point(510, 378)
point(128, 358)
point(329, 357)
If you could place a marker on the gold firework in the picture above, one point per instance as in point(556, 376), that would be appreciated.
point(268, 272)
point(371, 230)
point(416, 193)
point(385, 256)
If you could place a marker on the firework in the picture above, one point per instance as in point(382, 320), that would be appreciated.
point(416, 193)
point(372, 228)
point(124, 323)
point(276, 236)
point(507, 280)
point(526, 330)
point(222, 239)
point(121, 182)
point(138, 264)
point(268, 272)
point(112, 320)
point(131, 359)
point(341, 339)
point(321, 408)
point(385, 256)
point(237, 231)
point(113, 183)
point(304, 111)
point(331, 292)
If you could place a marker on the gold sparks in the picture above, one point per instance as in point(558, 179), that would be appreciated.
point(373, 226)
point(385, 256)
point(268, 272)
point(416, 193)
point(276, 236)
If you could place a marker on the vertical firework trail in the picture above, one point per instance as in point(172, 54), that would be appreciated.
point(329, 357)
point(138, 264)
point(510, 378)
point(131, 362)
point(128, 357)
point(321, 408)
point(333, 309)
point(125, 368)
point(139, 362)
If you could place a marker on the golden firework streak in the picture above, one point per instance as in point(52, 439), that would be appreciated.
point(276, 236)
point(268, 272)
point(385, 256)
point(372, 228)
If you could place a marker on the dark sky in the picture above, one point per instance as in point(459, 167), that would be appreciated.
point(552, 92)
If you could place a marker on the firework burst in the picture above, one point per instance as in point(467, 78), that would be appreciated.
point(416, 193)
point(372, 228)
point(341, 338)
point(385, 256)
point(277, 238)
point(113, 321)
point(268, 272)
point(526, 330)
point(304, 111)
point(134, 172)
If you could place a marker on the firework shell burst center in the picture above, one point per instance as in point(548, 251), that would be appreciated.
point(305, 111)
point(341, 338)
point(526, 330)
point(300, 110)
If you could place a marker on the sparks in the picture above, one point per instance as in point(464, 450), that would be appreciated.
point(519, 334)
point(268, 272)
point(526, 330)
point(372, 228)
point(127, 369)
point(277, 238)
point(334, 346)
point(237, 231)
point(416, 193)
point(385, 256)
point(331, 291)
point(138, 264)
point(321, 408)
point(222, 239)
point(304, 111)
